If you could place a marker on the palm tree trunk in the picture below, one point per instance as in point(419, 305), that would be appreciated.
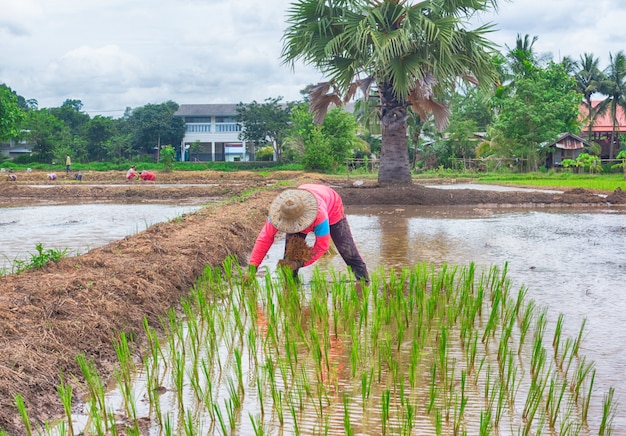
point(394, 167)
point(394, 156)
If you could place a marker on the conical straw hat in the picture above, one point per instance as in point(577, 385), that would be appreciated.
point(293, 210)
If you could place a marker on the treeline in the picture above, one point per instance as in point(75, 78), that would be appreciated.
point(54, 132)
point(536, 99)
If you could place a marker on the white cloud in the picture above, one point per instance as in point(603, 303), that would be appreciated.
point(112, 54)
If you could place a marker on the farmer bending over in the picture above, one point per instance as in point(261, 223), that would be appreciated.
point(309, 208)
point(147, 175)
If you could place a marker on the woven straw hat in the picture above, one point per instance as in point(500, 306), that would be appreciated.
point(293, 210)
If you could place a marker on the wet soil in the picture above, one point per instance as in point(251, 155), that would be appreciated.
point(78, 305)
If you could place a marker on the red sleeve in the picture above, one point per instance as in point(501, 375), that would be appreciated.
point(263, 243)
point(321, 246)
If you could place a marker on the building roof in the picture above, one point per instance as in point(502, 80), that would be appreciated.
point(204, 110)
point(569, 141)
point(603, 122)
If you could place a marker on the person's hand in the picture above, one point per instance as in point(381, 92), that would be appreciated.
point(293, 265)
point(250, 275)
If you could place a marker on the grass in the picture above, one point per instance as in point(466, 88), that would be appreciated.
point(600, 182)
point(36, 261)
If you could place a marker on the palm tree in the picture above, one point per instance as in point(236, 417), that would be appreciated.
point(588, 79)
point(522, 58)
point(614, 87)
point(403, 52)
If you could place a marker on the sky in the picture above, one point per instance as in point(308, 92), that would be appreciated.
point(114, 54)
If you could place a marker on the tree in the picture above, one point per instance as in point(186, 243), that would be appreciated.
point(265, 123)
point(46, 133)
point(154, 124)
point(522, 58)
point(98, 132)
point(10, 114)
point(614, 87)
point(544, 105)
point(168, 154)
point(405, 53)
point(70, 113)
point(322, 147)
point(588, 79)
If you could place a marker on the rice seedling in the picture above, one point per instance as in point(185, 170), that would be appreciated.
point(579, 338)
point(556, 392)
point(419, 347)
point(586, 402)
point(608, 413)
point(347, 427)
point(21, 408)
point(65, 392)
point(385, 401)
point(583, 369)
point(257, 425)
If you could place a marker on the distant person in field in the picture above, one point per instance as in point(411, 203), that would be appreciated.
point(79, 176)
point(147, 176)
point(68, 163)
point(11, 177)
point(131, 173)
point(52, 176)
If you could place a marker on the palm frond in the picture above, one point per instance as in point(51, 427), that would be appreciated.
point(321, 99)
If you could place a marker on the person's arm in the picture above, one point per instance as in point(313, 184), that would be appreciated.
point(322, 241)
point(263, 243)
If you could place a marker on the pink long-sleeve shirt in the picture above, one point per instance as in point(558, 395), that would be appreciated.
point(329, 212)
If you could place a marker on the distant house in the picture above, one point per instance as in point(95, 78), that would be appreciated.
point(211, 133)
point(567, 146)
point(602, 130)
point(13, 148)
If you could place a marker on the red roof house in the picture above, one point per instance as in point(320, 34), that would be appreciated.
point(602, 130)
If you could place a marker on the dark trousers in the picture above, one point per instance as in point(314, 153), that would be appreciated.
point(342, 238)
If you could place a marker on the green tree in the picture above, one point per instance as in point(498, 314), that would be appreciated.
point(98, 132)
point(10, 114)
point(70, 113)
point(47, 134)
point(318, 155)
point(153, 125)
point(329, 143)
point(405, 52)
point(265, 123)
point(614, 87)
point(168, 154)
point(544, 105)
point(522, 58)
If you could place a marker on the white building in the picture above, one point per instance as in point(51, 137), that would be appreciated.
point(211, 133)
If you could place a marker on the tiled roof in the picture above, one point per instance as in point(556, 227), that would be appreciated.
point(200, 110)
point(603, 123)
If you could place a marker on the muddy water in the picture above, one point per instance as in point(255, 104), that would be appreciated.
point(77, 228)
point(570, 261)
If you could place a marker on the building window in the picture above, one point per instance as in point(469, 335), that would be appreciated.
point(198, 128)
point(227, 127)
point(204, 120)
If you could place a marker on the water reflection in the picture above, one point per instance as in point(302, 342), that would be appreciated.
point(76, 228)
point(570, 261)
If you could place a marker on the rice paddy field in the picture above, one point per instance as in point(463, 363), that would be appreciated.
point(433, 348)
point(422, 350)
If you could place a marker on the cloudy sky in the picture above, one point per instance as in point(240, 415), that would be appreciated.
point(113, 54)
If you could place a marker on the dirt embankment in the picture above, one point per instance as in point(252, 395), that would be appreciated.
point(78, 305)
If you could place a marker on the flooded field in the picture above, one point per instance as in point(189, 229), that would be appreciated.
point(569, 261)
point(75, 228)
